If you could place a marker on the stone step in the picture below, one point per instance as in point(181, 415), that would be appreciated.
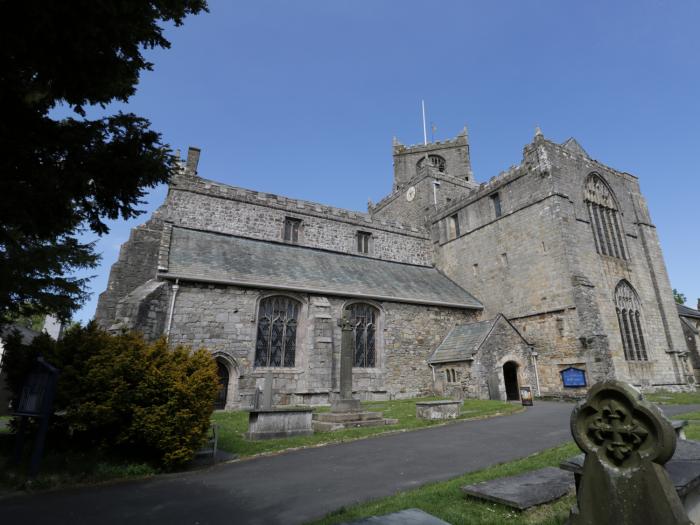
point(335, 417)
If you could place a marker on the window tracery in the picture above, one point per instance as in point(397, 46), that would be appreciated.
point(275, 344)
point(604, 218)
point(629, 317)
point(436, 161)
point(364, 321)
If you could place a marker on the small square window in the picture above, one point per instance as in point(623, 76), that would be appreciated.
point(363, 242)
point(496, 199)
point(291, 229)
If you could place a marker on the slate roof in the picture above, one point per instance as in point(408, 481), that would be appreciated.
point(462, 342)
point(689, 325)
point(27, 334)
point(227, 259)
point(685, 311)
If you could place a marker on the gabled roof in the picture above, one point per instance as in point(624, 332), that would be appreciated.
point(685, 311)
point(572, 145)
point(227, 259)
point(27, 334)
point(689, 325)
point(464, 341)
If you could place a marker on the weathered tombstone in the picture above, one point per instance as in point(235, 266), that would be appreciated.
point(346, 403)
point(626, 440)
point(494, 387)
point(267, 391)
point(36, 401)
point(257, 398)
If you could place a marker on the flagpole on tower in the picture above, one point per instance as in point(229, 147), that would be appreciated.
point(425, 133)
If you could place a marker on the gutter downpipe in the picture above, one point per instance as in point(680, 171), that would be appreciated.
point(171, 310)
point(537, 376)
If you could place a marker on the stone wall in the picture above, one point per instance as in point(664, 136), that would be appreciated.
point(538, 265)
point(200, 204)
point(137, 263)
point(224, 320)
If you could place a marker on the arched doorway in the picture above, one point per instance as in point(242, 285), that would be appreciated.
point(510, 377)
point(222, 394)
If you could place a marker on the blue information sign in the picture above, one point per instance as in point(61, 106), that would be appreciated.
point(573, 377)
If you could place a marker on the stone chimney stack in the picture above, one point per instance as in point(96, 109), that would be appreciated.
point(192, 160)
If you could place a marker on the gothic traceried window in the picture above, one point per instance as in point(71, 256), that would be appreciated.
point(629, 318)
point(436, 161)
point(604, 217)
point(364, 320)
point(275, 344)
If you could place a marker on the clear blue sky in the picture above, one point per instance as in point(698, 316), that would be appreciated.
point(302, 98)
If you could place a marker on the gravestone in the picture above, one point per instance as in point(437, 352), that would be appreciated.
point(267, 392)
point(346, 403)
point(626, 440)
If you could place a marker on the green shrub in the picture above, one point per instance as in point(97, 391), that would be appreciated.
point(122, 394)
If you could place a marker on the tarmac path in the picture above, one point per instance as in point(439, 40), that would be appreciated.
point(302, 485)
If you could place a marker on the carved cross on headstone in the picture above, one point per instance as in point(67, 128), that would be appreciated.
point(627, 440)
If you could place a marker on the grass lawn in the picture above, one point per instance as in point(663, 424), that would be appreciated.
point(692, 431)
point(232, 425)
point(446, 501)
point(674, 398)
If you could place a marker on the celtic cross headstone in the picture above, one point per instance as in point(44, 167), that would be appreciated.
point(626, 440)
point(346, 403)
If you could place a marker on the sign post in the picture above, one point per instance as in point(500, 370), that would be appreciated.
point(526, 396)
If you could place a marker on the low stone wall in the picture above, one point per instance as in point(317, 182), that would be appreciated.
point(279, 422)
point(443, 409)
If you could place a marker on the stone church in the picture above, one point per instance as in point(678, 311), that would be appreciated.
point(549, 276)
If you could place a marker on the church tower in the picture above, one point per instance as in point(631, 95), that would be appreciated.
point(427, 177)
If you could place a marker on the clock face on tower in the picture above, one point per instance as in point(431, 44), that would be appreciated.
point(411, 193)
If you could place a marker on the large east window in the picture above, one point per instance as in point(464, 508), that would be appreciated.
point(604, 217)
point(275, 344)
point(364, 321)
point(629, 317)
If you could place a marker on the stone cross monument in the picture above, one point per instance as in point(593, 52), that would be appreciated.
point(346, 403)
point(627, 440)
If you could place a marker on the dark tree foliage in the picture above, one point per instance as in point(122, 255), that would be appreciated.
point(120, 394)
point(61, 177)
point(679, 297)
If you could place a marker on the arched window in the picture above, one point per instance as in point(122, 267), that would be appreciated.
point(364, 321)
point(629, 317)
point(436, 161)
point(604, 217)
point(275, 344)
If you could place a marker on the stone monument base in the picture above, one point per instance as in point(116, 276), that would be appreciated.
point(279, 422)
point(344, 406)
point(330, 421)
point(441, 409)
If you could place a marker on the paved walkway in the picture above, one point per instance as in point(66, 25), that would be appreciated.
point(299, 486)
